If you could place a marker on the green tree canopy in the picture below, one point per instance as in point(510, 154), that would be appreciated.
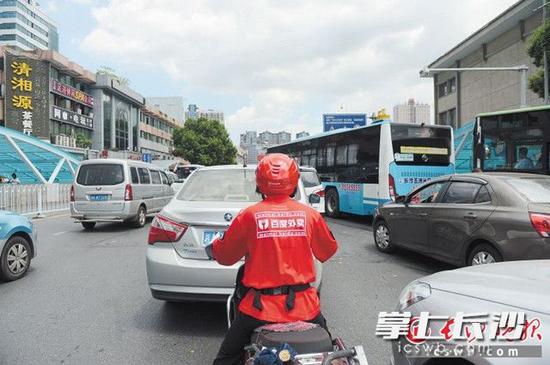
point(538, 44)
point(204, 142)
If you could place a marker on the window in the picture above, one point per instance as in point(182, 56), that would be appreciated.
point(528, 157)
point(133, 172)
point(221, 185)
point(164, 178)
point(341, 155)
point(100, 174)
point(452, 85)
point(483, 195)
point(310, 179)
point(427, 194)
point(144, 177)
point(461, 193)
point(447, 87)
point(352, 154)
point(416, 145)
point(330, 156)
point(155, 177)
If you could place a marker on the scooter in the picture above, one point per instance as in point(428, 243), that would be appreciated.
point(297, 343)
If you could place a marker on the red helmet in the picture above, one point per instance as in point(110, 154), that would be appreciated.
point(277, 174)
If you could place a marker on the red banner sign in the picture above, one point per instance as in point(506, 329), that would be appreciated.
point(72, 93)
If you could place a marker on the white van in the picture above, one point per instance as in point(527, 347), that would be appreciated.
point(111, 190)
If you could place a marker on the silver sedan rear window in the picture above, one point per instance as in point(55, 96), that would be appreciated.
point(220, 185)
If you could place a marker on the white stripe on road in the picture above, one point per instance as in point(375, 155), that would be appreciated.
point(60, 233)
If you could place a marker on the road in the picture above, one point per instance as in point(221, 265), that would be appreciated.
point(85, 299)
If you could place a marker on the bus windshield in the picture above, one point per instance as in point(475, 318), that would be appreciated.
point(418, 145)
point(513, 142)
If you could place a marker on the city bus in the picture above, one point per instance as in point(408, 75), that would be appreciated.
point(361, 168)
point(513, 140)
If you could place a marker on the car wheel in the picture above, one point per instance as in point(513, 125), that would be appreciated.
point(332, 203)
point(141, 217)
point(15, 259)
point(88, 225)
point(484, 254)
point(382, 238)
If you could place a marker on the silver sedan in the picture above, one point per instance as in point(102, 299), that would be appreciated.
point(178, 268)
point(491, 291)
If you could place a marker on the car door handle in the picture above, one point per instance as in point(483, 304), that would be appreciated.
point(470, 216)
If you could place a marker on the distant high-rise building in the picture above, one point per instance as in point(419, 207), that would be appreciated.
point(25, 26)
point(411, 112)
point(255, 144)
point(302, 135)
point(173, 106)
point(194, 112)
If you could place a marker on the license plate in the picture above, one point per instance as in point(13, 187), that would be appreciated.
point(209, 236)
point(99, 197)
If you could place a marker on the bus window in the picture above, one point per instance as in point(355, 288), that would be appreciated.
point(330, 156)
point(352, 154)
point(528, 157)
point(415, 145)
point(341, 155)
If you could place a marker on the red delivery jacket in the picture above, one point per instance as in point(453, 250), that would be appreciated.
point(279, 238)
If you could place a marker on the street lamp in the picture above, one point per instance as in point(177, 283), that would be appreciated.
point(430, 72)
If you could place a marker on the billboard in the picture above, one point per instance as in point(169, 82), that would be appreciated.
point(27, 95)
point(338, 121)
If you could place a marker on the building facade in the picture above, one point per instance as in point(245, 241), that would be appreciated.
point(194, 112)
point(47, 96)
point(255, 144)
point(302, 134)
point(171, 105)
point(411, 112)
point(460, 96)
point(155, 133)
point(25, 26)
point(116, 117)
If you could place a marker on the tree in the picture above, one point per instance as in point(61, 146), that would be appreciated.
point(204, 142)
point(111, 72)
point(83, 141)
point(538, 44)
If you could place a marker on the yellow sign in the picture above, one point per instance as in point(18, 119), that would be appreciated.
point(23, 102)
point(21, 68)
point(21, 84)
point(424, 150)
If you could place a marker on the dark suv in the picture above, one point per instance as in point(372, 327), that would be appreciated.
point(470, 219)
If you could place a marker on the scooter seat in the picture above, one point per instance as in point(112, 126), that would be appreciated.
point(304, 338)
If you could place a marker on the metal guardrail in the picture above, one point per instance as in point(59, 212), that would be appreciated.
point(34, 199)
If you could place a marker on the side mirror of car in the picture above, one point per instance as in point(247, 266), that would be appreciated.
point(401, 199)
point(314, 199)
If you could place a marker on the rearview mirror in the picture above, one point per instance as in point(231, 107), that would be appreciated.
point(401, 199)
point(314, 199)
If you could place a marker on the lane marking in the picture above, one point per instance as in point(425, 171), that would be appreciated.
point(60, 233)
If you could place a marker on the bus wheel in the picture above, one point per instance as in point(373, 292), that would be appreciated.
point(332, 203)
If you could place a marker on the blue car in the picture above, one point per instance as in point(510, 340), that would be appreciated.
point(17, 245)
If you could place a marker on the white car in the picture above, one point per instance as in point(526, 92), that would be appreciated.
point(178, 267)
point(312, 185)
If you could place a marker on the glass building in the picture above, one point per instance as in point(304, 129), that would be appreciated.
point(116, 117)
point(25, 26)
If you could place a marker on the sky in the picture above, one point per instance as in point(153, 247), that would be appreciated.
point(271, 64)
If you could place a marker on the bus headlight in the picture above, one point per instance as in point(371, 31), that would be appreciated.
point(414, 293)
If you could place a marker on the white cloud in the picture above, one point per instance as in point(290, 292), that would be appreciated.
point(291, 60)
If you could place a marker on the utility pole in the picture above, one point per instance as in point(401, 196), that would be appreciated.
point(545, 57)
